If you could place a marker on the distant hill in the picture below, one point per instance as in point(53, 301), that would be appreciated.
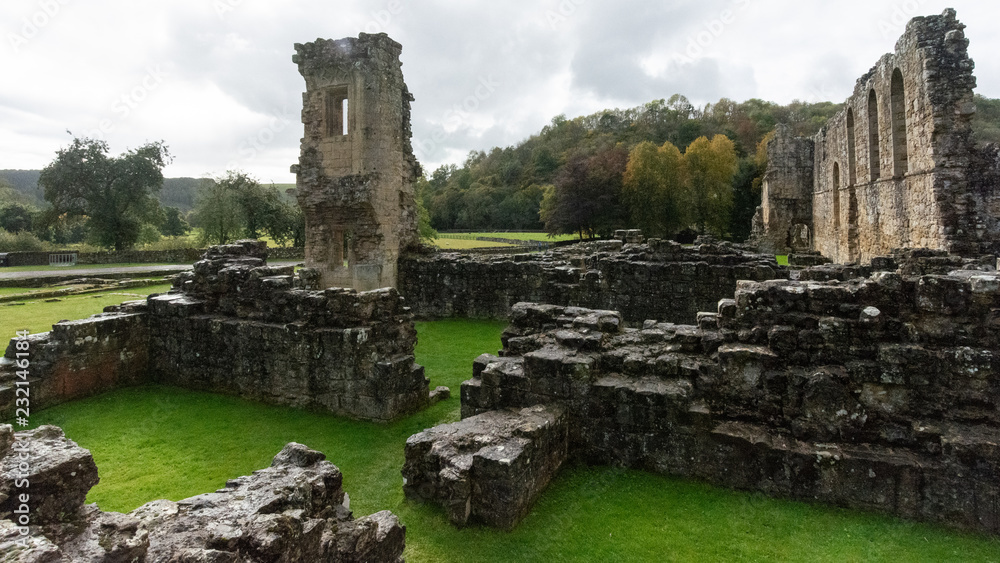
point(25, 182)
point(176, 192)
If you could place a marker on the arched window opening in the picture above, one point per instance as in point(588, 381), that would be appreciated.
point(336, 112)
point(836, 196)
point(852, 156)
point(874, 154)
point(897, 96)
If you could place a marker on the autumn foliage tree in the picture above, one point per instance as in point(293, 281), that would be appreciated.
point(655, 189)
point(711, 166)
point(117, 193)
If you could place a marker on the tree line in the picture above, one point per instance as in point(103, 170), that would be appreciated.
point(571, 176)
point(112, 202)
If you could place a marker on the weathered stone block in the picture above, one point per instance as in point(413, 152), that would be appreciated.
point(488, 469)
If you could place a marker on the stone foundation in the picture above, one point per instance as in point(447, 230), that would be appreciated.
point(237, 326)
point(659, 279)
point(877, 393)
point(295, 510)
point(487, 469)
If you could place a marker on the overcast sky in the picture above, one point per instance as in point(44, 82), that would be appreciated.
point(215, 78)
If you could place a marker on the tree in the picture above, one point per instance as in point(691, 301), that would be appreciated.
point(711, 166)
point(655, 189)
point(116, 193)
point(586, 197)
point(15, 218)
point(173, 224)
point(217, 210)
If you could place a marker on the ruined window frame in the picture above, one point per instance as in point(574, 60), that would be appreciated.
point(874, 138)
point(897, 115)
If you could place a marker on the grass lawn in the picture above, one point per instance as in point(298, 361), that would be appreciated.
point(459, 244)
point(157, 442)
point(39, 316)
point(520, 236)
point(84, 267)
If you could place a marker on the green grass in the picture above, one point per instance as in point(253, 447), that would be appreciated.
point(158, 442)
point(85, 267)
point(520, 236)
point(39, 316)
point(459, 244)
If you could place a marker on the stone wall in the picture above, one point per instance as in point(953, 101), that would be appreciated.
point(354, 179)
point(235, 325)
point(879, 393)
point(295, 510)
point(659, 279)
point(897, 167)
point(786, 204)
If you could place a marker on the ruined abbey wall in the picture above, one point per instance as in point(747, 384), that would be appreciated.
point(786, 201)
point(237, 326)
point(660, 279)
point(356, 169)
point(897, 167)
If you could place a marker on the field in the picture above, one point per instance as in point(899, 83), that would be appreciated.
point(39, 316)
point(159, 442)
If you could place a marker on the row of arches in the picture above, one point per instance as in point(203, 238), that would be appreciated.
point(900, 156)
point(897, 127)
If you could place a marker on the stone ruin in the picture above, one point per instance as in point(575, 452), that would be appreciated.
point(896, 168)
point(286, 343)
point(641, 279)
point(293, 511)
point(354, 179)
point(876, 393)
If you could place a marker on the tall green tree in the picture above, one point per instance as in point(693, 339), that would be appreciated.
point(117, 193)
point(655, 189)
point(174, 225)
point(217, 208)
point(711, 166)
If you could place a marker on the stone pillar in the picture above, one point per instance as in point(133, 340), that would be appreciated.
point(356, 169)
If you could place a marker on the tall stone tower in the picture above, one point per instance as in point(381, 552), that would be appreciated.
point(356, 169)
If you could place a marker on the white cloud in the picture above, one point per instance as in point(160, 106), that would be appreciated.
point(230, 94)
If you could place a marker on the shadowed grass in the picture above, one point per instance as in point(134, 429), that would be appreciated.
point(158, 442)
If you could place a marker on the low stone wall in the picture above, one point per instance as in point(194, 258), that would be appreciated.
point(660, 279)
point(79, 358)
point(177, 256)
point(878, 393)
point(295, 510)
point(235, 325)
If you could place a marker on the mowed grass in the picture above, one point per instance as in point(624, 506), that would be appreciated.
point(545, 237)
point(48, 269)
point(158, 442)
point(39, 315)
point(461, 244)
